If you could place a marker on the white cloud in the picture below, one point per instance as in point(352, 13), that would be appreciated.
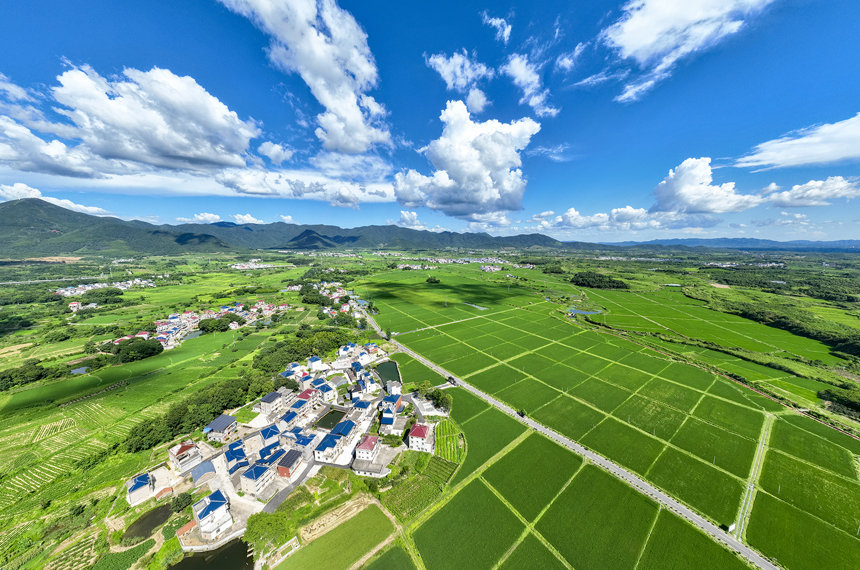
point(460, 71)
point(503, 29)
point(201, 218)
point(816, 193)
point(567, 61)
point(19, 191)
point(788, 220)
point(628, 219)
point(327, 47)
point(141, 120)
point(602, 77)
point(658, 33)
point(476, 101)
point(246, 219)
point(287, 219)
point(13, 92)
point(820, 144)
point(410, 220)
point(542, 216)
point(524, 75)
point(476, 166)
point(276, 152)
point(368, 168)
point(688, 189)
point(555, 153)
point(490, 222)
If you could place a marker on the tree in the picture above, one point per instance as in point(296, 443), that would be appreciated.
point(597, 281)
point(425, 388)
point(181, 502)
point(432, 279)
point(388, 333)
point(137, 349)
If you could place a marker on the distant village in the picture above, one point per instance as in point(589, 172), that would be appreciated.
point(77, 290)
point(327, 421)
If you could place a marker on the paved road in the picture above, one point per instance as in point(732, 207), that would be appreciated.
point(631, 479)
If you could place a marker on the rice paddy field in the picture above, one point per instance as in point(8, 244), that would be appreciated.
point(700, 437)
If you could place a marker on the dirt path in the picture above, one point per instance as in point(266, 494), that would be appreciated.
point(398, 532)
point(330, 520)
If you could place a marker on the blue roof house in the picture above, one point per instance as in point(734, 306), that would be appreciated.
point(220, 428)
point(255, 478)
point(212, 514)
point(140, 488)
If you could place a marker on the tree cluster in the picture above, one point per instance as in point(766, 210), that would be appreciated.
point(273, 359)
point(432, 279)
point(136, 349)
point(220, 324)
point(104, 296)
point(27, 374)
point(596, 280)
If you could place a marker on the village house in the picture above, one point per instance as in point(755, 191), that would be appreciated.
point(329, 448)
point(255, 479)
point(221, 428)
point(315, 364)
point(213, 515)
point(271, 403)
point(421, 438)
point(368, 448)
point(270, 434)
point(184, 456)
point(140, 488)
point(235, 457)
point(203, 473)
point(287, 421)
point(394, 387)
point(290, 464)
point(300, 441)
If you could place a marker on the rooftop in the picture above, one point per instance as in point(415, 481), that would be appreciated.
point(368, 442)
point(220, 423)
point(420, 431)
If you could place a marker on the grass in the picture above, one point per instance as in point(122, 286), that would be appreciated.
point(716, 446)
point(532, 474)
point(708, 490)
point(738, 419)
point(598, 522)
point(531, 554)
point(473, 530)
point(341, 547)
point(486, 435)
point(798, 540)
point(804, 445)
point(677, 545)
point(816, 491)
point(828, 433)
point(624, 445)
point(392, 559)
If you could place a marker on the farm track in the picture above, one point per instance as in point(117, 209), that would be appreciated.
point(633, 480)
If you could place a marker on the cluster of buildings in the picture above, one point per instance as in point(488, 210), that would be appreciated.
point(490, 268)
point(170, 331)
point(523, 266)
point(252, 264)
point(417, 267)
point(77, 290)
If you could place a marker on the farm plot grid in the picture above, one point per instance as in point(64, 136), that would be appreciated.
point(565, 515)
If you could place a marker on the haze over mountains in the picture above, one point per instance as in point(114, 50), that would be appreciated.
point(33, 227)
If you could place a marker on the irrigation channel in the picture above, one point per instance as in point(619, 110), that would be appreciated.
point(231, 556)
point(143, 527)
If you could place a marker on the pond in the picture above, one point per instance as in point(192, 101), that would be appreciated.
point(191, 335)
point(81, 370)
point(151, 520)
point(231, 556)
point(579, 312)
point(330, 420)
point(388, 372)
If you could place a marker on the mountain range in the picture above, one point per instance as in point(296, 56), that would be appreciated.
point(33, 227)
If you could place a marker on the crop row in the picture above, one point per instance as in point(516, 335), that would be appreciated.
point(78, 556)
point(53, 428)
point(95, 413)
point(65, 439)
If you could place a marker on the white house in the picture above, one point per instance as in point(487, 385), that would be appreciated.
point(368, 448)
point(213, 515)
point(184, 456)
point(271, 403)
point(394, 387)
point(315, 364)
point(140, 488)
point(421, 438)
point(255, 478)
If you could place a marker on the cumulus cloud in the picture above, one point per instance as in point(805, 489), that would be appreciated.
point(13, 92)
point(461, 73)
point(476, 166)
point(816, 193)
point(327, 47)
point(350, 166)
point(524, 75)
point(490, 222)
point(19, 191)
point(658, 33)
point(628, 219)
point(201, 218)
point(140, 120)
point(820, 144)
point(246, 219)
point(287, 219)
point(503, 29)
point(689, 189)
point(567, 61)
point(277, 153)
point(410, 220)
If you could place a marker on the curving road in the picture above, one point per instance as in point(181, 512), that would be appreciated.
point(633, 480)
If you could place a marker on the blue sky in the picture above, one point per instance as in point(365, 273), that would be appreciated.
point(597, 121)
